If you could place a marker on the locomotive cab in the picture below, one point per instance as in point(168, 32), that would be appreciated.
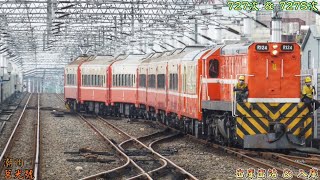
point(273, 116)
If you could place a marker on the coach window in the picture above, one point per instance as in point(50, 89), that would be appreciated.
point(87, 83)
point(175, 81)
point(67, 79)
point(91, 80)
point(161, 81)
point(117, 80)
point(127, 80)
point(134, 79)
point(213, 68)
point(72, 79)
point(151, 81)
point(87, 78)
point(81, 79)
point(142, 80)
point(102, 80)
point(122, 79)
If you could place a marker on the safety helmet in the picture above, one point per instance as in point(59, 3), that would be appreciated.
point(308, 79)
point(241, 78)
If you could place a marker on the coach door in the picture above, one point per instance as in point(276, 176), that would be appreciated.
point(212, 73)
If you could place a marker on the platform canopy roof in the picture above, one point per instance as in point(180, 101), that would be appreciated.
point(43, 36)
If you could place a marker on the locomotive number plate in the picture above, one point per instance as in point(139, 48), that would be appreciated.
point(262, 47)
point(287, 47)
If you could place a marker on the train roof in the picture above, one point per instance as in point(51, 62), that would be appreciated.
point(212, 51)
point(79, 60)
point(233, 49)
point(130, 59)
point(129, 64)
point(99, 60)
point(177, 54)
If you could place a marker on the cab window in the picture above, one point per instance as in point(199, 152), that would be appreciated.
point(213, 68)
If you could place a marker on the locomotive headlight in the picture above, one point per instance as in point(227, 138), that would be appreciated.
point(275, 46)
point(274, 52)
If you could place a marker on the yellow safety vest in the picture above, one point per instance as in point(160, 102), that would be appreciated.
point(241, 86)
point(307, 90)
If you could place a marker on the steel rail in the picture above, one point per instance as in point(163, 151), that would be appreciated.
point(119, 152)
point(241, 155)
point(128, 159)
point(244, 155)
point(152, 151)
point(37, 143)
point(13, 132)
point(36, 165)
point(286, 160)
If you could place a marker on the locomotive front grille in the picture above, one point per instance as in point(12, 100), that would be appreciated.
point(256, 118)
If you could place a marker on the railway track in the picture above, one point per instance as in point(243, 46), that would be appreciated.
point(306, 163)
point(20, 156)
point(158, 167)
point(134, 166)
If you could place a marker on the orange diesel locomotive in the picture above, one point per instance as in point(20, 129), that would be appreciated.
point(192, 89)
